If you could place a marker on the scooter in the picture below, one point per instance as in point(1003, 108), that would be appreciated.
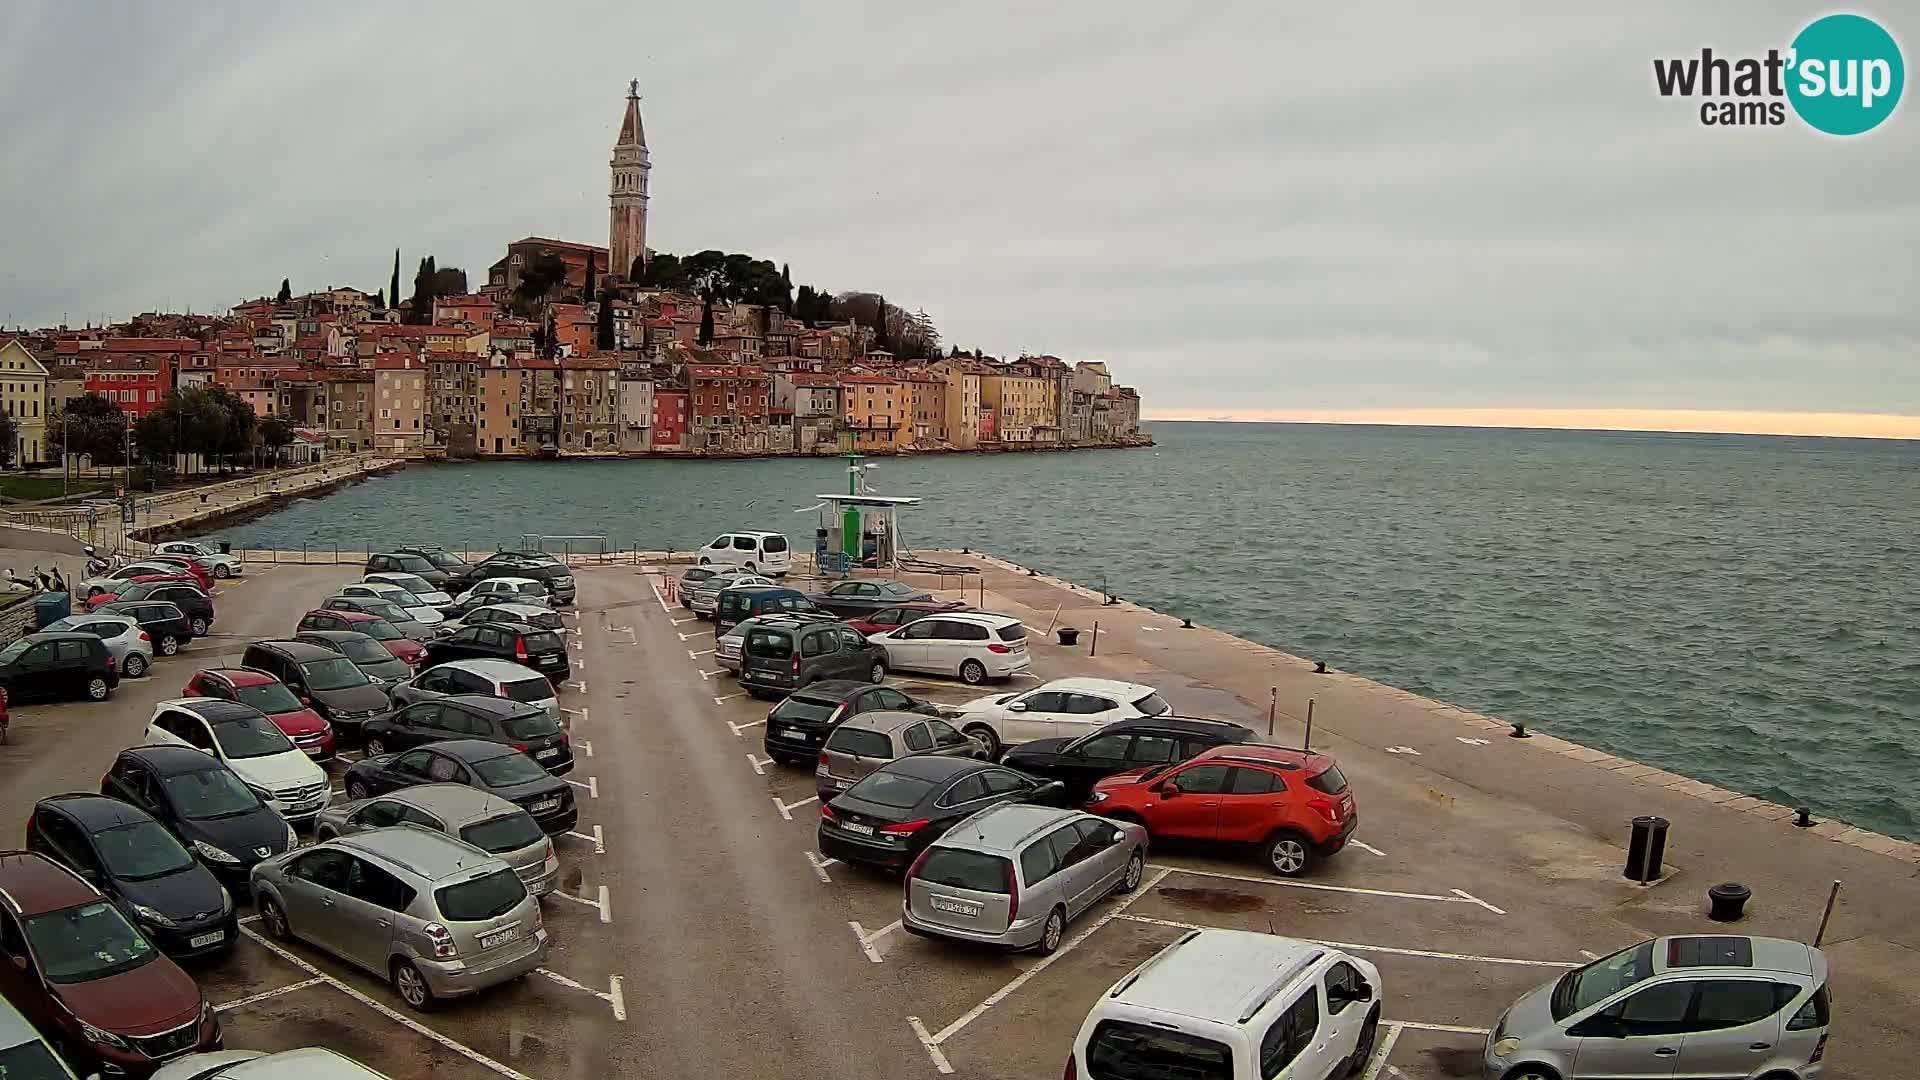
point(4, 718)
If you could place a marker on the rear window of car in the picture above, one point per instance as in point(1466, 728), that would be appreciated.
point(861, 743)
point(1332, 780)
point(481, 898)
point(733, 602)
point(31, 1061)
point(1122, 1051)
point(533, 725)
point(892, 789)
point(1152, 705)
point(526, 690)
point(800, 708)
point(1016, 632)
point(544, 641)
point(508, 832)
point(966, 870)
point(771, 544)
point(772, 644)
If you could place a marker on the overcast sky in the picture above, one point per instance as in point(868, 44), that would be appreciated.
point(1252, 210)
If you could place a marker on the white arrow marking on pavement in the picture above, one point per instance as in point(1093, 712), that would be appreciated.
point(1403, 750)
point(1471, 742)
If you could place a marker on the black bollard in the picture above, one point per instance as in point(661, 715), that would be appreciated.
point(1186, 624)
point(1803, 817)
point(1728, 901)
point(1519, 732)
point(1320, 667)
point(1647, 849)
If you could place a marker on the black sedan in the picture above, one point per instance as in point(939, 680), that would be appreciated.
point(798, 727)
point(529, 646)
point(513, 724)
point(887, 819)
point(857, 599)
point(1115, 748)
point(500, 770)
point(136, 863)
point(202, 803)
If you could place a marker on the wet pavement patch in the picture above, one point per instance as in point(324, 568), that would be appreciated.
point(1457, 1061)
point(1211, 899)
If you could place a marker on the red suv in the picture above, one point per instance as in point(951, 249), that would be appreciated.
point(1294, 804)
point(81, 973)
point(262, 691)
point(375, 627)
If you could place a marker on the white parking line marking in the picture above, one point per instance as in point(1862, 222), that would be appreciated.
point(616, 998)
point(867, 940)
point(820, 867)
point(1590, 955)
point(581, 664)
point(1471, 742)
point(605, 906)
point(1364, 846)
point(265, 994)
point(659, 597)
point(1425, 953)
point(711, 674)
point(697, 654)
point(392, 1014)
point(1459, 897)
point(598, 839)
point(577, 684)
point(933, 1048)
point(685, 621)
point(695, 634)
point(786, 809)
point(740, 729)
point(585, 747)
point(1451, 1029)
point(723, 699)
point(1403, 750)
point(759, 764)
point(995, 998)
point(1381, 1053)
point(592, 786)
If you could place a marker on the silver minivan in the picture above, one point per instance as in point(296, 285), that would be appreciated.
point(867, 741)
point(480, 818)
point(438, 917)
point(1706, 1006)
point(1015, 874)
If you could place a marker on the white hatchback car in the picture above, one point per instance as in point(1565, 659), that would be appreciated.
point(972, 646)
point(131, 647)
point(415, 606)
point(242, 737)
point(1061, 709)
point(1237, 1006)
point(413, 583)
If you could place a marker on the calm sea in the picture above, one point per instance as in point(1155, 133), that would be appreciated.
point(1744, 610)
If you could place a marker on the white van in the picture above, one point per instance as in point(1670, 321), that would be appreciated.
point(756, 552)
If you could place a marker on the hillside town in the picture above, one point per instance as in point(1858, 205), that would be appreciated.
point(573, 350)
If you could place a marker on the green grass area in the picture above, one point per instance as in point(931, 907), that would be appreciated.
point(28, 487)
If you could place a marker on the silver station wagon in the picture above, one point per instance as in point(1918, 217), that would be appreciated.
point(484, 820)
point(438, 917)
point(1015, 875)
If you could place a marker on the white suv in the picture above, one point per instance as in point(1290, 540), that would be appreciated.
point(1228, 1003)
point(754, 552)
point(1061, 709)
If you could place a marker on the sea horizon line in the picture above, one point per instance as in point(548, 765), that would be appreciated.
point(1833, 425)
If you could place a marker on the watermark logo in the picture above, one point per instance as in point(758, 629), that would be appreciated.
point(1842, 75)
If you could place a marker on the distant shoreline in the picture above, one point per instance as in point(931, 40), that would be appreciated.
point(756, 455)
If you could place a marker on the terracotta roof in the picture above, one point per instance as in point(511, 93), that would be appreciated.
point(398, 363)
point(564, 245)
point(605, 362)
point(887, 379)
point(149, 345)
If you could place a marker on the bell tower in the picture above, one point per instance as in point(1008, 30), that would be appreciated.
point(627, 216)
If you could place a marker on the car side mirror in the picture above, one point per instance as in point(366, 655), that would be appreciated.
point(1169, 789)
point(1051, 791)
point(1116, 836)
point(1016, 706)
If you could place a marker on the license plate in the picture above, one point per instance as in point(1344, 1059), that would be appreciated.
point(302, 808)
point(202, 940)
point(957, 907)
point(841, 784)
point(858, 830)
point(793, 733)
point(550, 661)
point(498, 937)
point(546, 804)
point(555, 752)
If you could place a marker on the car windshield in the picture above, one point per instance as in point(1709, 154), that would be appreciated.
point(411, 563)
point(402, 597)
point(269, 698)
point(382, 609)
point(379, 630)
point(86, 942)
point(531, 725)
point(411, 583)
point(1119, 1050)
point(140, 851)
point(250, 737)
point(528, 690)
point(508, 769)
point(481, 898)
point(12, 652)
point(441, 559)
point(31, 1061)
point(1152, 705)
point(966, 870)
point(1590, 985)
point(333, 673)
point(508, 832)
point(892, 789)
point(801, 708)
point(364, 651)
point(209, 794)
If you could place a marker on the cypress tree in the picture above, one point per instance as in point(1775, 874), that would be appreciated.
point(706, 320)
point(393, 287)
point(587, 293)
point(286, 292)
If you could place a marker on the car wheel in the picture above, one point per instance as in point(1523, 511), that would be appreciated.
point(704, 561)
point(321, 836)
point(411, 986)
point(169, 645)
point(275, 919)
point(973, 672)
point(97, 689)
point(878, 673)
point(94, 591)
point(1051, 934)
point(356, 790)
point(1363, 1049)
point(1136, 869)
point(1289, 854)
point(199, 626)
point(985, 736)
point(220, 571)
point(376, 747)
point(135, 666)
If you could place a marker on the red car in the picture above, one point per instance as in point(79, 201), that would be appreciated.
point(1295, 805)
point(375, 627)
point(893, 618)
point(82, 974)
point(202, 573)
point(308, 730)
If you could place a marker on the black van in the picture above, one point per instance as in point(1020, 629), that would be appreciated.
point(737, 605)
point(324, 679)
point(783, 654)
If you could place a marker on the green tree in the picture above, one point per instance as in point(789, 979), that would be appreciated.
point(706, 318)
point(603, 326)
point(286, 292)
point(541, 276)
point(448, 281)
point(588, 290)
point(393, 287)
point(276, 434)
point(380, 298)
point(89, 425)
point(9, 439)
